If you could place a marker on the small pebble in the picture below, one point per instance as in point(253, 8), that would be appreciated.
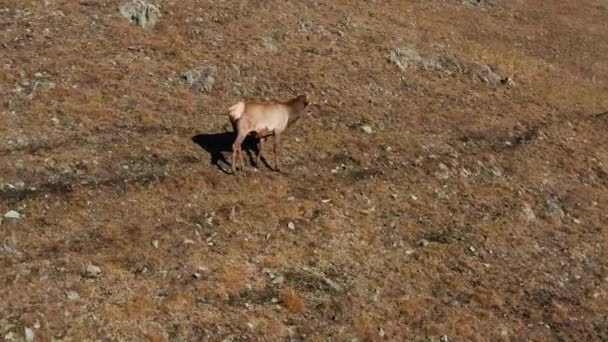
point(367, 129)
point(423, 242)
point(472, 249)
point(29, 334)
point(92, 270)
point(12, 214)
point(278, 280)
point(155, 243)
point(291, 226)
point(72, 295)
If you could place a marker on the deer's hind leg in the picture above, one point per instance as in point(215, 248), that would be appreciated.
point(236, 150)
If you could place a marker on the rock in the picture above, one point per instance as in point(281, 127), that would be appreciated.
point(29, 334)
point(423, 242)
point(155, 243)
point(472, 249)
point(443, 172)
point(528, 213)
point(291, 226)
point(72, 295)
point(554, 208)
point(408, 57)
point(200, 79)
point(367, 129)
point(12, 214)
point(140, 13)
point(508, 81)
point(484, 73)
point(92, 271)
point(375, 295)
point(444, 338)
point(483, 5)
point(332, 284)
point(278, 280)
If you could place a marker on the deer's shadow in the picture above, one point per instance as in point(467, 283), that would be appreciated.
point(216, 144)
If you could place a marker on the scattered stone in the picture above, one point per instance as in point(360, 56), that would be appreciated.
point(423, 242)
point(444, 338)
point(72, 295)
point(92, 271)
point(367, 129)
point(508, 81)
point(472, 249)
point(375, 296)
point(291, 226)
point(408, 57)
point(278, 279)
point(155, 243)
point(484, 73)
point(12, 214)
point(554, 208)
point(332, 284)
point(29, 334)
point(483, 5)
point(528, 213)
point(200, 79)
point(140, 12)
point(197, 275)
point(188, 242)
point(443, 172)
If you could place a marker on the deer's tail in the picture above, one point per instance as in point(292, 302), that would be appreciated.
point(236, 111)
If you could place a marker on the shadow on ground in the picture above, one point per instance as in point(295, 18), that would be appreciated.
point(218, 143)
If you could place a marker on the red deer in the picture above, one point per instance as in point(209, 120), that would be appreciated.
point(263, 119)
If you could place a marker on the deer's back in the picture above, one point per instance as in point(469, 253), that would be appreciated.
point(269, 117)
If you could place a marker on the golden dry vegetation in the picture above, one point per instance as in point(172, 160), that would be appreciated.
point(472, 209)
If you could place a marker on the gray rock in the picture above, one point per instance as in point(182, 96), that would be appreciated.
point(12, 214)
point(483, 5)
point(278, 280)
point(140, 12)
point(423, 242)
point(375, 295)
point(291, 226)
point(554, 208)
point(367, 129)
point(72, 295)
point(484, 73)
point(29, 334)
point(528, 213)
point(408, 57)
point(92, 271)
point(200, 79)
point(443, 172)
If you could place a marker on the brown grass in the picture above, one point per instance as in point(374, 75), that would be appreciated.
point(104, 169)
point(292, 301)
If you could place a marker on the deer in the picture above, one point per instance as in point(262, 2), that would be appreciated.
point(262, 120)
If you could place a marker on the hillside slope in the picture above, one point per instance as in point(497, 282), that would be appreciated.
point(451, 184)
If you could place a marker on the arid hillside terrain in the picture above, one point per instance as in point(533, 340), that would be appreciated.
point(450, 185)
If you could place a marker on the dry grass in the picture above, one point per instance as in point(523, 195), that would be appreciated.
point(416, 231)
